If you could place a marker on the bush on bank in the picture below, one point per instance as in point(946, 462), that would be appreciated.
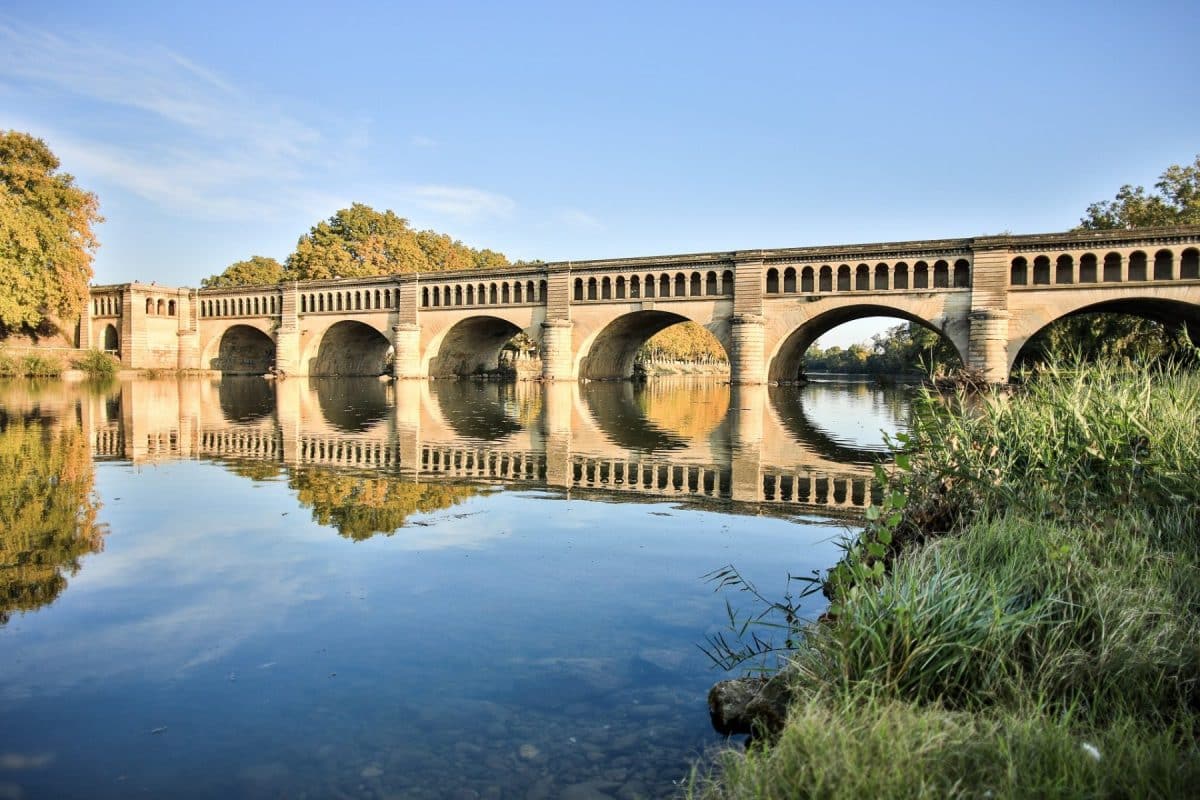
point(1030, 586)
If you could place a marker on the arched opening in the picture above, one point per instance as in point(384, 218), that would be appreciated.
point(1041, 271)
point(826, 284)
point(1137, 266)
point(881, 277)
point(680, 285)
point(616, 349)
point(620, 287)
point(865, 339)
point(245, 400)
point(900, 281)
point(862, 278)
point(474, 346)
point(843, 278)
point(1163, 265)
point(244, 351)
point(1141, 330)
point(1112, 268)
point(920, 275)
point(1087, 268)
point(171, 308)
point(649, 286)
point(578, 295)
point(1018, 274)
point(149, 306)
point(349, 348)
point(772, 281)
point(605, 288)
point(1064, 270)
point(727, 283)
point(1189, 264)
point(635, 287)
point(696, 289)
point(962, 274)
point(941, 275)
point(112, 340)
point(806, 280)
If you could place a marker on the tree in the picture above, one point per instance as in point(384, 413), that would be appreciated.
point(1176, 203)
point(359, 241)
point(46, 236)
point(254, 271)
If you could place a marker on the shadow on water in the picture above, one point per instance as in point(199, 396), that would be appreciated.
point(352, 405)
point(246, 399)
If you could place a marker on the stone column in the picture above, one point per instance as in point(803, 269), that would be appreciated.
point(987, 347)
point(556, 350)
point(406, 342)
point(747, 361)
point(287, 337)
point(85, 326)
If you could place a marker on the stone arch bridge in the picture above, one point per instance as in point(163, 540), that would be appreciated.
point(986, 295)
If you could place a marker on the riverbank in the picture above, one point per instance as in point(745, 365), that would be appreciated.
point(1021, 619)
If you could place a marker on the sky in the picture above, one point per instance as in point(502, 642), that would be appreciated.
point(566, 131)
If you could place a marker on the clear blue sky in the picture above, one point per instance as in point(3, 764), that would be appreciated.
point(213, 131)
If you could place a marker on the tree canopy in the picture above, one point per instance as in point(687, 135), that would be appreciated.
point(907, 348)
point(359, 242)
point(1177, 202)
point(46, 236)
point(254, 271)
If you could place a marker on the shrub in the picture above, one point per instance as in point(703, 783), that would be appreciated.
point(97, 364)
point(36, 366)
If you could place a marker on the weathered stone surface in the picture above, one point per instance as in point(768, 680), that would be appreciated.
point(741, 705)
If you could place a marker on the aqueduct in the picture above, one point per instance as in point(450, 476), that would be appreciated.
point(987, 295)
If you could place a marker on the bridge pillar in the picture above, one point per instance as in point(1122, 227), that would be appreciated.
point(406, 342)
point(987, 347)
point(747, 361)
point(556, 350)
point(287, 337)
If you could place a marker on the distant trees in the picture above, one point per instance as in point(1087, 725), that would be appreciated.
point(46, 236)
point(1177, 202)
point(254, 271)
point(904, 349)
point(359, 242)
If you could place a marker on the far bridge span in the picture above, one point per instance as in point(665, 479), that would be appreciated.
point(986, 295)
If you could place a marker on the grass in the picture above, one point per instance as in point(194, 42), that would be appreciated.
point(30, 366)
point(97, 365)
point(1033, 584)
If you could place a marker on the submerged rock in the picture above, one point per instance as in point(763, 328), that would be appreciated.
point(749, 705)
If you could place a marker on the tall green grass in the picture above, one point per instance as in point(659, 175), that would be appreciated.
point(1033, 583)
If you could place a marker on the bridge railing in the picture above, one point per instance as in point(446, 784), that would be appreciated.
point(1036, 269)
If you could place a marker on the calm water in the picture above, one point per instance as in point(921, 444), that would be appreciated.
point(359, 589)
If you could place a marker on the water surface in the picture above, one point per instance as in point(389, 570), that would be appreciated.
point(424, 589)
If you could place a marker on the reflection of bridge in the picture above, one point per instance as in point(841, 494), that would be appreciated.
point(557, 435)
point(986, 295)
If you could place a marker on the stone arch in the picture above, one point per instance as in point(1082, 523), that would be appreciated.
point(111, 339)
point(1189, 264)
point(785, 363)
point(470, 346)
point(609, 353)
point(241, 350)
point(1169, 312)
point(350, 348)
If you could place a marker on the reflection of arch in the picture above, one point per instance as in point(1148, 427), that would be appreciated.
point(785, 364)
point(788, 403)
point(610, 353)
point(244, 350)
point(1169, 313)
point(617, 412)
point(476, 409)
point(353, 405)
point(245, 399)
point(351, 347)
point(470, 346)
point(112, 340)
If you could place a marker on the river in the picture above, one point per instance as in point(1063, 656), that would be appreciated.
point(328, 588)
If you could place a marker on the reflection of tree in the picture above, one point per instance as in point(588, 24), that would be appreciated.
point(360, 506)
point(47, 512)
point(692, 412)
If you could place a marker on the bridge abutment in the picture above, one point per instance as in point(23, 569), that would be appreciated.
point(406, 344)
point(556, 350)
point(747, 362)
point(987, 348)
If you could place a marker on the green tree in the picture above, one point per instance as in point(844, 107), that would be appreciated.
point(46, 236)
point(359, 241)
point(254, 271)
point(1177, 202)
